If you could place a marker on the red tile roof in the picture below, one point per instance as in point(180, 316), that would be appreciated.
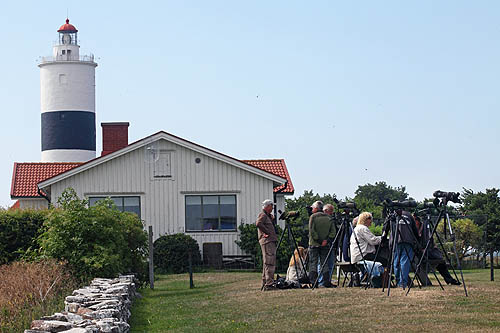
point(26, 176)
point(276, 167)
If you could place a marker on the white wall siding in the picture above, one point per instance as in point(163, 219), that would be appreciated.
point(33, 203)
point(162, 200)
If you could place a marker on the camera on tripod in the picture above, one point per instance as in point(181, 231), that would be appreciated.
point(346, 205)
point(426, 205)
point(448, 196)
point(288, 215)
point(399, 204)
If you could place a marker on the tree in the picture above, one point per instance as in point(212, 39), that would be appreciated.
point(97, 241)
point(467, 233)
point(485, 208)
point(380, 191)
point(369, 197)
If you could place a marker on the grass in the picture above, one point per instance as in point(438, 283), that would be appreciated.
point(228, 302)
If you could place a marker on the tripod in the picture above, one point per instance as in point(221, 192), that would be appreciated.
point(443, 214)
point(293, 245)
point(345, 225)
point(394, 220)
point(425, 225)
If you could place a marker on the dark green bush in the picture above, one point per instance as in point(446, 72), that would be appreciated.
point(171, 253)
point(97, 241)
point(19, 230)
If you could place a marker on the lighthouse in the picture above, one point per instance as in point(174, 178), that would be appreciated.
point(68, 101)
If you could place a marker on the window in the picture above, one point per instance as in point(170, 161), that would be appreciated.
point(162, 167)
point(124, 204)
point(210, 213)
point(63, 52)
point(63, 80)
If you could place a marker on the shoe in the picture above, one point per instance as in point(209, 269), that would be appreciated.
point(454, 282)
point(269, 288)
point(326, 282)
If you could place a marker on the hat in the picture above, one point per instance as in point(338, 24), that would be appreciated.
point(267, 203)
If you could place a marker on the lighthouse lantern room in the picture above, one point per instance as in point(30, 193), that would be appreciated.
point(68, 101)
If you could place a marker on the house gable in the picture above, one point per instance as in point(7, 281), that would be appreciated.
point(169, 138)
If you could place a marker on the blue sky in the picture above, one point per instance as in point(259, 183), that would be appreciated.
point(349, 93)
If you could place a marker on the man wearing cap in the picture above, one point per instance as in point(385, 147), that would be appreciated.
point(267, 240)
point(321, 231)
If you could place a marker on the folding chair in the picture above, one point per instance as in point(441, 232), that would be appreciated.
point(347, 270)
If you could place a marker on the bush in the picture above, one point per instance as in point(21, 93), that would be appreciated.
point(97, 241)
point(19, 230)
point(30, 290)
point(171, 253)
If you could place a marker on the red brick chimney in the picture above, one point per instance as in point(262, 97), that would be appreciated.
point(114, 137)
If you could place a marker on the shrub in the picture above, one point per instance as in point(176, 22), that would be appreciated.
point(30, 290)
point(171, 253)
point(18, 232)
point(95, 241)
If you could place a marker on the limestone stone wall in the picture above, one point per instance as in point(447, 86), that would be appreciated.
point(104, 306)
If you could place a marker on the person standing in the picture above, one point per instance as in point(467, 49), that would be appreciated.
point(407, 233)
point(329, 209)
point(267, 240)
point(321, 231)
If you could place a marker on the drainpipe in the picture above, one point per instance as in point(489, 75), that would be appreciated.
point(40, 193)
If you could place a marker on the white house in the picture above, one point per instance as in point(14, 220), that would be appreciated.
point(173, 184)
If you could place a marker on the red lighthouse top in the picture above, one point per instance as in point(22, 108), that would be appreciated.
point(67, 27)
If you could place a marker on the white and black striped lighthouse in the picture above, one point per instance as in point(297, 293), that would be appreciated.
point(68, 101)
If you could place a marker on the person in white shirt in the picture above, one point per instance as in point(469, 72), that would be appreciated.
point(363, 241)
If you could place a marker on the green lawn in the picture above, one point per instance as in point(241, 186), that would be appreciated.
point(227, 302)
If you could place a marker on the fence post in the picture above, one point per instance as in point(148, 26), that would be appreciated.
point(492, 269)
point(151, 264)
point(190, 260)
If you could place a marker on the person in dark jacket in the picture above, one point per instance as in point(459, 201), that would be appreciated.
point(267, 240)
point(321, 232)
point(433, 253)
point(406, 233)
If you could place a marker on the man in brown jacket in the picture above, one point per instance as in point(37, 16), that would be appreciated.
point(267, 241)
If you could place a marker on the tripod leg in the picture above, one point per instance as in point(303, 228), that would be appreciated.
point(339, 232)
point(426, 248)
point(448, 260)
point(435, 275)
point(296, 246)
point(297, 272)
point(360, 252)
point(456, 254)
point(392, 259)
point(371, 270)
